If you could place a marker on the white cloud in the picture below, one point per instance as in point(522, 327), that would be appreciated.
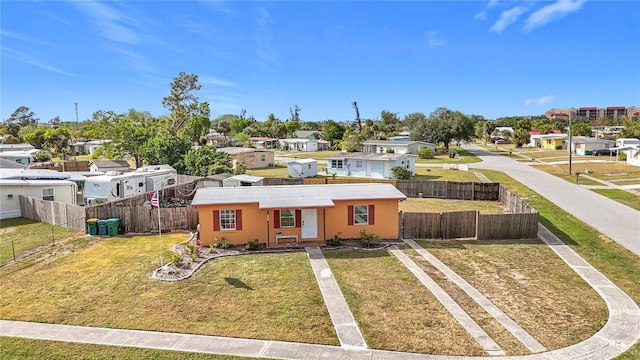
point(555, 11)
point(264, 44)
point(27, 59)
point(210, 80)
point(492, 3)
point(507, 18)
point(482, 15)
point(112, 23)
point(433, 39)
point(539, 101)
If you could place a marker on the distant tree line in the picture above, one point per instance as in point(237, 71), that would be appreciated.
point(180, 137)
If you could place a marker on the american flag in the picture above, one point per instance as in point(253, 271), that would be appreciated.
point(154, 199)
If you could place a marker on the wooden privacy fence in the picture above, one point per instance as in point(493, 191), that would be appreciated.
point(469, 224)
point(52, 212)
point(449, 190)
point(142, 219)
point(507, 226)
point(513, 203)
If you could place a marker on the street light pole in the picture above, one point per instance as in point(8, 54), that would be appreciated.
point(570, 141)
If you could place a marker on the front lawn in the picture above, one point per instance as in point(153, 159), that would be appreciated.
point(528, 282)
point(394, 311)
point(106, 282)
point(614, 261)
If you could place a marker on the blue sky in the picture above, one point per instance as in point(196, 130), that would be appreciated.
point(491, 58)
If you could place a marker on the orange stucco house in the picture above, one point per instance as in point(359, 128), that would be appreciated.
point(297, 213)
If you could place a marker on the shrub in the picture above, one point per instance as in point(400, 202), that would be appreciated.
point(212, 248)
point(389, 151)
point(426, 153)
point(335, 241)
point(369, 239)
point(193, 250)
point(401, 173)
point(176, 259)
point(224, 244)
point(253, 245)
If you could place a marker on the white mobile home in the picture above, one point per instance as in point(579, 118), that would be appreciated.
point(42, 184)
point(115, 186)
point(301, 168)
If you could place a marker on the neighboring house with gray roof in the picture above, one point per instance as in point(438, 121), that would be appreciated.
point(369, 165)
point(250, 158)
point(397, 147)
point(109, 165)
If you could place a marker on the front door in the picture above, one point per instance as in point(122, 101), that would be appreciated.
point(309, 223)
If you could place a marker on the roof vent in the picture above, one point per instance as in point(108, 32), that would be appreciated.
point(112, 173)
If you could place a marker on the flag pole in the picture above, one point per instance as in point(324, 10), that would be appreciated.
point(160, 228)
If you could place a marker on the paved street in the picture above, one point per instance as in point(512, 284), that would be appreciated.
point(619, 222)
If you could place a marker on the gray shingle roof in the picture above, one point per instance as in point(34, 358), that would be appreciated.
point(295, 196)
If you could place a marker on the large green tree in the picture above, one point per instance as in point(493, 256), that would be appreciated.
point(182, 101)
point(205, 161)
point(390, 122)
point(21, 117)
point(332, 131)
point(444, 126)
point(127, 132)
point(410, 120)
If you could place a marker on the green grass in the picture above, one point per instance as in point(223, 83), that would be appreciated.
point(318, 155)
point(621, 196)
point(462, 157)
point(394, 311)
point(438, 173)
point(20, 348)
point(615, 262)
point(106, 282)
point(27, 235)
point(527, 281)
point(442, 205)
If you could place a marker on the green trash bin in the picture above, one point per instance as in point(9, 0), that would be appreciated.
point(92, 226)
point(112, 226)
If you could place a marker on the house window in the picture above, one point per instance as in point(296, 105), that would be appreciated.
point(308, 166)
point(227, 219)
point(263, 157)
point(336, 164)
point(360, 214)
point(47, 194)
point(358, 163)
point(287, 218)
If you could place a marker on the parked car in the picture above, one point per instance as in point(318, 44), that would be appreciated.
point(603, 152)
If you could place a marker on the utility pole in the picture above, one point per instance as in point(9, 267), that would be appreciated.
point(74, 148)
point(570, 140)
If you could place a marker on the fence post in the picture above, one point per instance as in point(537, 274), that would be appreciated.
point(53, 239)
point(13, 250)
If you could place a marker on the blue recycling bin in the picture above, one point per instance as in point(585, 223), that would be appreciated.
point(102, 228)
